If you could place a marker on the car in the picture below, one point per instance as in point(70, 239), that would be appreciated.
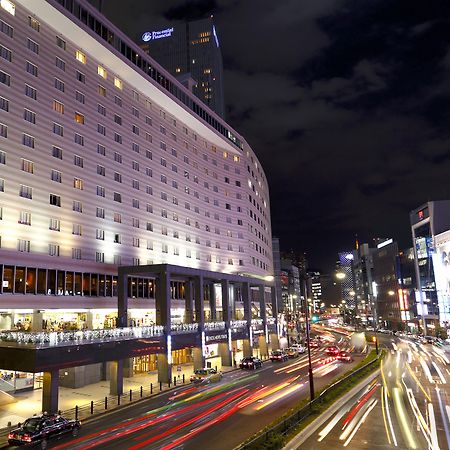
point(40, 429)
point(299, 347)
point(332, 350)
point(313, 344)
point(344, 356)
point(292, 352)
point(205, 376)
point(278, 355)
point(251, 362)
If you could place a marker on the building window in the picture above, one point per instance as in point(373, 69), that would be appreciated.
point(135, 184)
point(24, 218)
point(117, 217)
point(27, 166)
point(135, 129)
point(117, 197)
point(77, 206)
point(78, 183)
point(33, 46)
point(79, 139)
point(79, 97)
point(25, 191)
point(59, 84)
point(135, 112)
point(118, 119)
point(101, 109)
point(118, 157)
point(56, 176)
point(100, 234)
point(100, 191)
point(5, 78)
point(61, 43)
point(135, 242)
point(34, 23)
point(80, 56)
point(23, 245)
point(53, 249)
point(76, 229)
point(79, 118)
point(99, 257)
point(58, 107)
point(135, 165)
point(4, 104)
point(30, 92)
point(118, 83)
point(101, 170)
point(28, 140)
point(76, 253)
point(3, 132)
point(101, 90)
point(58, 129)
point(55, 200)
point(102, 72)
point(118, 138)
point(118, 177)
point(117, 100)
point(101, 149)
point(57, 152)
point(2, 189)
point(135, 203)
point(55, 224)
point(29, 116)
point(117, 238)
point(81, 77)
point(100, 212)
point(7, 29)
point(5, 53)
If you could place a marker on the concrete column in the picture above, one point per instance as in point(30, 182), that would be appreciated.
point(90, 320)
point(36, 324)
point(188, 302)
point(198, 358)
point(122, 298)
point(263, 350)
point(226, 306)
point(116, 377)
point(128, 368)
point(50, 392)
point(262, 303)
point(162, 300)
point(274, 341)
point(247, 349)
point(164, 368)
point(273, 296)
point(212, 301)
point(199, 297)
point(225, 354)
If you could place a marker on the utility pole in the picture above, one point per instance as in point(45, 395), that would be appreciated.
point(310, 371)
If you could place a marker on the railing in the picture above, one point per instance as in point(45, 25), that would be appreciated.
point(284, 427)
point(55, 338)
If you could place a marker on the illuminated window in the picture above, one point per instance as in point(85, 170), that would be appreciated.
point(79, 118)
point(80, 56)
point(78, 183)
point(8, 6)
point(101, 71)
point(177, 70)
point(118, 83)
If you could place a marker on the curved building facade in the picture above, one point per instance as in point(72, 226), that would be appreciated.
point(106, 160)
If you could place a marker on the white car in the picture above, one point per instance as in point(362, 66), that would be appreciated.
point(299, 347)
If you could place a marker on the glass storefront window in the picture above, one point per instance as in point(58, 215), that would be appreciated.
point(8, 279)
point(51, 282)
point(31, 281)
point(78, 283)
point(86, 284)
point(42, 281)
point(20, 280)
point(69, 283)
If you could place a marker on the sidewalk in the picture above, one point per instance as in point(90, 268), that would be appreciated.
point(29, 402)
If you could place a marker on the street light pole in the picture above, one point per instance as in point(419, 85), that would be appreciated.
point(310, 372)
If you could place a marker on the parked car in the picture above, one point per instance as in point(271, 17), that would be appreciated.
point(292, 352)
point(206, 376)
point(250, 362)
point(332, 350)
point(278, 355)
point(299, 347)
point(344, 356)
point(40, 429)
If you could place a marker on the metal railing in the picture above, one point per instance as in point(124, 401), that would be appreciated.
point(284, 427)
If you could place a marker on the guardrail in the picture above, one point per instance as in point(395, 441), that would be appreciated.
point(284, 427)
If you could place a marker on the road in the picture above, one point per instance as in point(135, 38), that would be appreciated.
point(221, 414)
point(406, 407)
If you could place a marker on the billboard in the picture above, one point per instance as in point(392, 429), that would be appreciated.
point(441, 266)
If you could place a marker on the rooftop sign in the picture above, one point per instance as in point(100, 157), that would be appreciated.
point(153, 35)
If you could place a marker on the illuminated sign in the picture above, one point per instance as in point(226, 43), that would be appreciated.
point(215, 35)
point(384, 243)
point(154, 35)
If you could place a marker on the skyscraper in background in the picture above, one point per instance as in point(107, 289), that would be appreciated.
point(192, 50)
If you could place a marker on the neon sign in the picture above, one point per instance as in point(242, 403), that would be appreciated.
point(153, 35)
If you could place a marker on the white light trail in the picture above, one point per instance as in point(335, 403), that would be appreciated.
point(441, 376)
point(388, 414)
point(434, 438)
point(323, 434)
point(358, 425)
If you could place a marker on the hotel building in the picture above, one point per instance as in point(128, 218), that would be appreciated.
point(106, 161)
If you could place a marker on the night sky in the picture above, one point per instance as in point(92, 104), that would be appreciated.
point(345, 102)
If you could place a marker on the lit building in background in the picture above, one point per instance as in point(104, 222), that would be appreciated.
point(106, 160)
point(346, 278)
point(316, 289)
point(428, 221)
point(190, 50)
point(362, 272)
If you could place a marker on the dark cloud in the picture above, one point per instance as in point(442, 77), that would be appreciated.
point(345, 102)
